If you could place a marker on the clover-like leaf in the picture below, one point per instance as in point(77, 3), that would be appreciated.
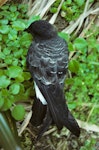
point(4, 81)
point(73, 66)
point(19, 25)
point(63, 35)
point(15, 88)
point(4, 29)
point(18, 112)
point(80, 44)
point(14, 71)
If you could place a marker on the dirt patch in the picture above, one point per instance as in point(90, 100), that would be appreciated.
point(63, 140)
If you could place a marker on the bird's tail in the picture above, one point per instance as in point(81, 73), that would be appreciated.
point(58, 109)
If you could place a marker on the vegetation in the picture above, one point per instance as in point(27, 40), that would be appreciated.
point(15, 81)
point(70, 10)
point(81, 85)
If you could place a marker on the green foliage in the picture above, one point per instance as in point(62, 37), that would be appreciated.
point(89, 144)
point(83, 93)
point(18, 112)
point(74, 66)
point(64, 36)
point(80, 44)
point(15, 85)
point(70, 10)
point(83, 84)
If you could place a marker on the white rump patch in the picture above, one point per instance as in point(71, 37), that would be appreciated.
point(39, 94)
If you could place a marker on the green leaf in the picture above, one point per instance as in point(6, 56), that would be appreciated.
point(4, 81)
point(15, 88)
point(13, 8)
point(14, 71)
point(19, 78)
point(31, 20)
point(63, 35)
point(23, 8)
point(12, 34)
point(72, 105)
point(1, 100)
point(8, 99)
point(1, 72)
point(53, 9)
point(8, 59)
point(4, 29)
point(19, 53)
point(73, 66)
point(18, 112)
point(25, 39)
point(5, 7)
point(80, 44)
point(26, 75)
point(70, 46)
point(69, 81)
point(0, 37)
point(6, 51)
point(19, 25)
point(79, 2)
point(7, 104)
point(4, 21)
point(15, 62)
point(2, 55)
point(23, 62)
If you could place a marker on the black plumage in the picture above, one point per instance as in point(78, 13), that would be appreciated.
point(47, 60)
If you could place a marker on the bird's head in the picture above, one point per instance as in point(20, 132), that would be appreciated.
point(42, 29)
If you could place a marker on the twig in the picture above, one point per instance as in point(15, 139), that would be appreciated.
point(25, 123)
point(83, 16)
point(46, 8)
point(96, 11)
point(53, 18)
point(73, 26)
point(90, 113)
point(50, 131)
point(2, 2)
point(87, 126)
point(87, 28)
point(40, 7)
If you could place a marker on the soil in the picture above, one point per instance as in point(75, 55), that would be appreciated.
point(63, 140)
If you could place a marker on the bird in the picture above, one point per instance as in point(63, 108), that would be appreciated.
point(47, 61)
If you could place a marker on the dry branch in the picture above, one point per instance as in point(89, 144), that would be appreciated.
point(2, 2)
point(88, 127)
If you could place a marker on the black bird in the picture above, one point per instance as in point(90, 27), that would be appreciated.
point(47, 60)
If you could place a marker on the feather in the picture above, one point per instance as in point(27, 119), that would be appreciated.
point(39, 95)
point(39, 111)
point(46, 123)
